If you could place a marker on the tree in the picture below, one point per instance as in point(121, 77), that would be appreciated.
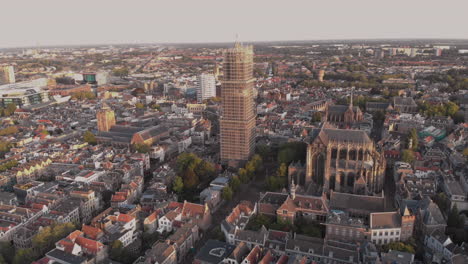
point(90, 138)
point(142, 147)
point(9, 131)
point(178, 185)
point(227, 193)
point(7, 251)
point(292, 151)
point(24, 256)
point(116, 250)
point(257, 162)
point(192, 169)
point(250, 168)
point(379, 117)
point(149, 239)
point(4, 146)
point(205, 170)
point(414, 139)
point(282, 170)
point(256, 222)
point(244, 178)
point(156, 107)
point(83, 95)
point(442, 201)
point(10, 109)
point(45, 239)
point(400, 246)
point(191, 179)
point(235, 183)
point(451, 108)
point(275, 183)
point(454, 219)
point(139, 106)
point(407, 156)
point(120, 72)
point(264, 151)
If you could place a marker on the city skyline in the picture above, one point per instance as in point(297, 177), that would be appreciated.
point(117, 22)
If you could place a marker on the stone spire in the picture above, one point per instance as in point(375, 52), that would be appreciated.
point(292, 190)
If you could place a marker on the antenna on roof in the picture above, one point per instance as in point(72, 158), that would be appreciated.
point(237, 43)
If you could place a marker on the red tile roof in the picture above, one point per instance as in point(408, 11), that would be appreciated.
point(91, 232)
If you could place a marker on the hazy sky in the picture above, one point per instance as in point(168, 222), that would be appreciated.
point(57, 22)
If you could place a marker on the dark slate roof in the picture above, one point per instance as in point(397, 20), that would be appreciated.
point(381, 105)
point(403, 101)
point(341, 135)
point(274, 198)
point(305, 243)
point(257, 237)
point(346, 201)
point(341, 108)
point(214, 252)
point(124, 134)
point(65, 257)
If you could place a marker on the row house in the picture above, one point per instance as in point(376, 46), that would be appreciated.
point(89, 203)
point(30, 170)
point(183, 213)
point(184, 239)
point(76, 244)
point(237, 219)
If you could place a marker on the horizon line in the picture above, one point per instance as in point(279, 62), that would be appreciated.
point(227, 42)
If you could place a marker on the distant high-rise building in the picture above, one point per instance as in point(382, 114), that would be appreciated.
point(379, 54)
point(413, 52)
point(206, 87)
point(7, 74)
point(237, 123)
point(437, 52)
point(320, 76)
point(392, 51)
point(105, 118)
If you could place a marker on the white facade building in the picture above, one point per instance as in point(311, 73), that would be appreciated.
point(206, 87)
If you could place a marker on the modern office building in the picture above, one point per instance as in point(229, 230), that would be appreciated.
point(206, 87)
point(105, 118)
point(7, 75)
point(23, 97)
point(237, 122)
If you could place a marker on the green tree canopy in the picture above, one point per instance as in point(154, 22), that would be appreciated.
point(292, 151)
point(139, 106)
point(9, 110)
point(178, 185)
point(120, 72)
point(142, 148)
point(83, 95)
point(414, 139)
point(9, 131)
point(24, 256)
point(407, 156)
point(193, 169)
point(235, 183)
point(282, 170)
point(227, 193)
point(90, 138)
